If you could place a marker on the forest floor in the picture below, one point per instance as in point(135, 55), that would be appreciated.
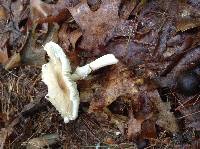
point(149, 99)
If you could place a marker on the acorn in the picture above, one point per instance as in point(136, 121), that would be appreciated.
point(188, 83)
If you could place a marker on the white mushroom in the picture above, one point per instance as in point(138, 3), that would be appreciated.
point(62, 89)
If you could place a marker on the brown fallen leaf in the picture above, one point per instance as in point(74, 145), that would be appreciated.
point(186, 24)
point(86, 88)
point(13, 25)
point(20, 12)
point(67, 40)
point(97, 26)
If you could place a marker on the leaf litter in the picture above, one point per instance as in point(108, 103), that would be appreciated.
point(135, 103)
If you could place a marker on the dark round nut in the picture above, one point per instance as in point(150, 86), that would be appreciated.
point(188, 83)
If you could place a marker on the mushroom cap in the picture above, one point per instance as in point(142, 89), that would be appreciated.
point(62, 90)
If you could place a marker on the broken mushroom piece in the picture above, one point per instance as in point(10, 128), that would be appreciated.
point(62, 88)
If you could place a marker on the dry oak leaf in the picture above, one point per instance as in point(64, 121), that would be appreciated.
point(97, 26)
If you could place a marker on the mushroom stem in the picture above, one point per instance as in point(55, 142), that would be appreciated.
point(84, 71)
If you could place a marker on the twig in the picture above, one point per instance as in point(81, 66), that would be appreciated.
point(189, 115)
